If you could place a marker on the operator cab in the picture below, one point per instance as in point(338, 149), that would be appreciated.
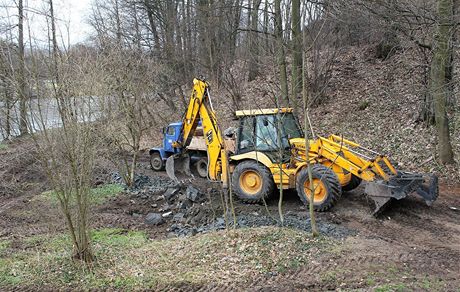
point(171, 133)
point(258, 130)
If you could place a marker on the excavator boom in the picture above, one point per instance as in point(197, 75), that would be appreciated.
point(200, 108)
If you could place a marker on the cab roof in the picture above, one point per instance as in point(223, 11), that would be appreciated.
point(269, 111)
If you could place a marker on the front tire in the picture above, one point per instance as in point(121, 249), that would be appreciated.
point(327, 189)
point(252, 182)
point(156, 163)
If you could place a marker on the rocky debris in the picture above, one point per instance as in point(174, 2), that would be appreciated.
point(154, 219)
point(179, 217)
point(297, 221)
point(167, 214)
point(189, 212)
point(194, 195)
point(145, 184)
point(170, 193)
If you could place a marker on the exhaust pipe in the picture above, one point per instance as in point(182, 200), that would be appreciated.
point(401, 185)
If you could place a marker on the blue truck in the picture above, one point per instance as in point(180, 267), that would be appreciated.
point(196, 149)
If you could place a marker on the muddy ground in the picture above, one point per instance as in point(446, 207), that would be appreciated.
point(410, 245)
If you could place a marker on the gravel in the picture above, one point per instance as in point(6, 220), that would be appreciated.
point(296, 221)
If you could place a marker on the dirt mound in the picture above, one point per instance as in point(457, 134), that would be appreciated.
point(197, 208)
point(20, 170)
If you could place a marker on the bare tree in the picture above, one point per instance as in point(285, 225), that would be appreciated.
point(280, 52)
point(296, 50)
point(253, 41)
point(439, 86)
point(22, 87)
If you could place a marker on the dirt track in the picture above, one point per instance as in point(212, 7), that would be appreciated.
point(411, 245)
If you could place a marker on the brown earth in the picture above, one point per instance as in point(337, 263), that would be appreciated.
point(411, 245)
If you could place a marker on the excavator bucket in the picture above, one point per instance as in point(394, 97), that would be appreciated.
point(178, 164)
point(401, 185)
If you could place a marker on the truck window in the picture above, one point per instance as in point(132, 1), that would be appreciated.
point(170, 131)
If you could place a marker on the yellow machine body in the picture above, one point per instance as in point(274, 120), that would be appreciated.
point(281, 162)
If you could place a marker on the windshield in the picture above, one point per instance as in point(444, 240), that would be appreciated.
point(266, 131)
point(291, 127)
point(260, 132)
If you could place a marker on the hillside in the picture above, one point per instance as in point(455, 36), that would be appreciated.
point(368, 100)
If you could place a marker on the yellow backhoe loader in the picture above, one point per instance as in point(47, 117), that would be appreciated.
point(270, 153)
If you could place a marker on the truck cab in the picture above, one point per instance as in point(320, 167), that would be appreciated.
point(158, 155)
point(196, 149)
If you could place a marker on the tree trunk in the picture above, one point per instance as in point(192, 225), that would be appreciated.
point(311, 209)
point(21, 74)
point(253, 42)
point(280, 54)
point(296, 50)
point(118, 23)
point(8, 99)
point(439, 87)
point(156, 38)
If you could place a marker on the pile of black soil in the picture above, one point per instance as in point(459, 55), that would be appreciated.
point(187, 210)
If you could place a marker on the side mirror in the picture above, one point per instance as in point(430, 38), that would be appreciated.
point(163, 130)
point(265, 122)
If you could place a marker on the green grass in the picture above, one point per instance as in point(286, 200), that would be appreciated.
point(101, 194)
point(392, 288)
point(3, 146)
point(4, 245)
point(97, 195)
point(129, 260)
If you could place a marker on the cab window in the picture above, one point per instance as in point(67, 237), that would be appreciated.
point(246, 139)
point(266, 134)
point(170, 131)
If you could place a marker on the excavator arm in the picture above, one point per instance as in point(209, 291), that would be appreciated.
point(384, 182)
point(200, 108)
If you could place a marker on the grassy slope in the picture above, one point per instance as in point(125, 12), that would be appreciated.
point(127, 259)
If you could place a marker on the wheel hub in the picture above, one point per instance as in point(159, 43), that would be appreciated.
point(251, 182)
point(319, 191)
point(156, 162)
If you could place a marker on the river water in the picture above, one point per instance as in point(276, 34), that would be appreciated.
point(44, 113)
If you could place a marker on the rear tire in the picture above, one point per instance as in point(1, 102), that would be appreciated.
point(156, 163)
point(327, 187)
point(352, 184)
point(252, 182)
point(201, 167)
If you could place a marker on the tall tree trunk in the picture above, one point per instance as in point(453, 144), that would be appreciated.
point(266, 24)
point(311, 208)
point(296, 50)
point(153, 29)
point(137, 29)
point(439, 87)
point(7, 108)
point(118, 22)
point(253, 42)
point(21, 74)
point(280, 53)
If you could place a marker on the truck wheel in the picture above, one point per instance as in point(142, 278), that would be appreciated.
point(352, 184)
point(327, 189)
point(201, 167)
point(156, 163)
point(252, 181)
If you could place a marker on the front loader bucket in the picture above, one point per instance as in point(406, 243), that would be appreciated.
point(178, 163)
point(401, 185)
